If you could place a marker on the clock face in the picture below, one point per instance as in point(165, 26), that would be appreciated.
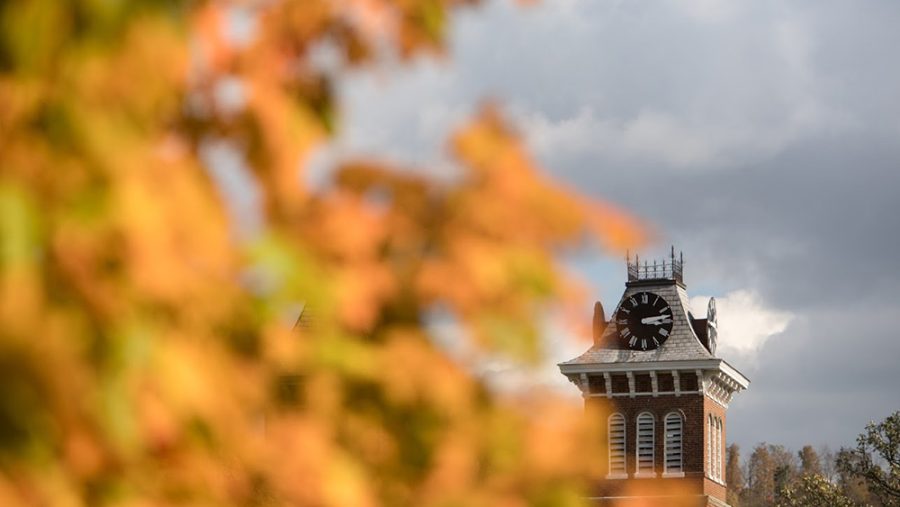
point(644, 321)
point(712, 326)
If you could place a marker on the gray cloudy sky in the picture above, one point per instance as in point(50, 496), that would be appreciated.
point(760, 137)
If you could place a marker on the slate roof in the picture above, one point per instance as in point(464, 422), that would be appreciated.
point(682, 345)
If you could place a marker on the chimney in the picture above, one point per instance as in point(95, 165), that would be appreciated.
point(599, 324)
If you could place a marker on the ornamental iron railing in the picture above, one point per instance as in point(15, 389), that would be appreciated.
point(667, 269)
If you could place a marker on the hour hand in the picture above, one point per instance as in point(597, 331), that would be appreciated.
point(658, 320)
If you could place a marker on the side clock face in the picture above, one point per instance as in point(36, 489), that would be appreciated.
point(644, 321)
point(712, 326)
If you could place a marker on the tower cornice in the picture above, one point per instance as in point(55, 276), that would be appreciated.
point(736, 378)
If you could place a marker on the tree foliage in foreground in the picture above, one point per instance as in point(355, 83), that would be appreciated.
point(145, 358)
point(813, 490)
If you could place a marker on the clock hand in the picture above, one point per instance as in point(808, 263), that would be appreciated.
point(658, 320)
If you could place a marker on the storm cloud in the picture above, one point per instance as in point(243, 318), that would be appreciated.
point(761, 138)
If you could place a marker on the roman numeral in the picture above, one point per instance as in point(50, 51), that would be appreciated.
point(656, 341)
point(625, 332)
point(633, 301)
point(663, 332)
point(645, 298)
point(632, 341)
point(644, 343)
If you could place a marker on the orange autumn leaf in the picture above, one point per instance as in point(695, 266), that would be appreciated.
point(148, 342)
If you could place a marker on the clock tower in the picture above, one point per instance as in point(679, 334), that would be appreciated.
point(663, 391)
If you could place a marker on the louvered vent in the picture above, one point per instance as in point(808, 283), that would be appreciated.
point(673, 443)
point(645, 430)
point(616, 444)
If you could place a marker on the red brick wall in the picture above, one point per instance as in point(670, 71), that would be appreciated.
point(688, 382)
point(711, 487)
point(596, 384)
point(666, 382)
point(642, 383)
point(695, 409)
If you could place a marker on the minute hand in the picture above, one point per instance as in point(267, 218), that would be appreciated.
point(659, 319)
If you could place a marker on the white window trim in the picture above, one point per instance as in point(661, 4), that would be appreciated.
point(709, 459)
point(714, 447)
point(719, 449)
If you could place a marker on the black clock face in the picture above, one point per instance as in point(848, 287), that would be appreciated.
point(644, 321)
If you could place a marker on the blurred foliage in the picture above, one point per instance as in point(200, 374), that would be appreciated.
point(145, 357)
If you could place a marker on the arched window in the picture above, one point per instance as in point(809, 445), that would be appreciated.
point(711, 471)
point(646, 427)
point(616, 428)
point(718, 453)
point(673, 425)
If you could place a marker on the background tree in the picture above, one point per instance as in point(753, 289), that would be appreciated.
point(734, 476)
point(785, 468)
point(851, 487)
point(760, 478)
point(855, 489)
point(827, 459)
point(876, 460)
point(809, 461)
point(147, 355)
